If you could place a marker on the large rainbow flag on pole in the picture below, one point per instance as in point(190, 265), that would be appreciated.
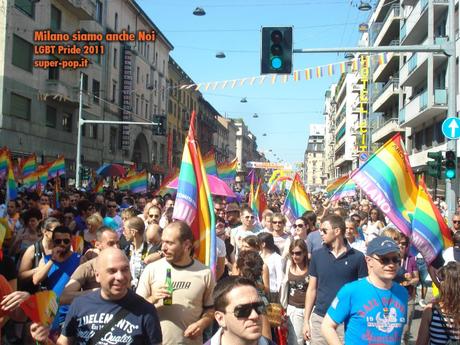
point(28, 165)
point(139, 182)
point(348, 188)
point(11, 186)
point(56, 168)
point(194, 202)
point(334, 185)
point(297, 201)
point(430, 233)
point(227, 170)
point(388, 180)
point(209, 161)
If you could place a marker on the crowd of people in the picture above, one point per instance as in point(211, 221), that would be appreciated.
point(125, 273)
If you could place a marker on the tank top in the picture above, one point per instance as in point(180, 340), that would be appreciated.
point(441, 328)
point(297, 289)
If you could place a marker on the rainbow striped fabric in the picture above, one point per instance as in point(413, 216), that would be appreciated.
point(334, 185)
point(139, 182)
point(42, 174)
point(348, 188)
point(4, 153)
point(31, 180)
point(257, 200)
point(11, 186)
point(57, 167)
point(227, 170)
point(194, 202)
point(99, 188)
point(209, 161)
point(388, 180)
point(164, 189)
point(28, 165)
point(430, 233)
point(297, 201)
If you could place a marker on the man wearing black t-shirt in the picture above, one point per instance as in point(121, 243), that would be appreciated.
point(89, 313)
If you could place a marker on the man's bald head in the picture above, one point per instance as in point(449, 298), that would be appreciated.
point(112, 272)
point(153, 233)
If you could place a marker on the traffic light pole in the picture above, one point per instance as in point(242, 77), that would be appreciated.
point(81, 122)
point(447, 48)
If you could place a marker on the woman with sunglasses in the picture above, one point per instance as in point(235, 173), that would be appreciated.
point(294, 289)
point(374, 225)
point(441, 320)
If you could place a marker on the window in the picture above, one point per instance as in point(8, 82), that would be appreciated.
point(162, 153)
point(113, 139)
point(85, 82)
point(146, 109)
point(67, 122)
point(114, 91)
point(22, 53)
point(53, 73)
point(115, 57)
point(20, 106)
point(26, 6)
point(138, 72)
point(51, 116)
point(99, 11)
point(91, 131)
point(137, 106)
point(115, 26)
point(96, 90)
point(56, 16)
point(155, 87)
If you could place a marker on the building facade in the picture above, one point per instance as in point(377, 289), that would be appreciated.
point(314, 159)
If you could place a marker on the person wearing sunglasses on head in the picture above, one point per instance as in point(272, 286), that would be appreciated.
point(373, 309)
point(54, 270)
point(455, 223)
point(238, 311)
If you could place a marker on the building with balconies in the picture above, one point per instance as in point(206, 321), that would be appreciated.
point(346, 118)
point(232, 129)
point(39, 107)
point(314, 158)
point(329, 136)
point(423, 80)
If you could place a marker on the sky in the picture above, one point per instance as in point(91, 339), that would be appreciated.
point(285, 110)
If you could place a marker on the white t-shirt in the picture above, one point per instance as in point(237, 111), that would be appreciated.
point(221, 251)
point(275, 265)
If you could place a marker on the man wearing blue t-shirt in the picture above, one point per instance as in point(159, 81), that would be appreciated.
point(374, 309)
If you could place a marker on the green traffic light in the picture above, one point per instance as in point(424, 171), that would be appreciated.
point(450, 174)
point(276, 62)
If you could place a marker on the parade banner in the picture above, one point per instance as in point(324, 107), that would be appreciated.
point(194, 202)
point(388, 180)
point(430, 233)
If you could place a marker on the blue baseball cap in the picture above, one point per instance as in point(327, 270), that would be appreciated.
point(382, 245)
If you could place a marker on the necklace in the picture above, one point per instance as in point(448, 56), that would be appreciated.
point(386, 308)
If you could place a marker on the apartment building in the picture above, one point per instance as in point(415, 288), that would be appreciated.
point(329, 136)
point(39, 107)
point(314, 158)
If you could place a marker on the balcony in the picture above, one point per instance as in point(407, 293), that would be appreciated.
point(385, 130)
point(415, 27)
point(82, 9)
point(383, 72)
point(389, 26)
point(387, 96)
point(422, 108)
point(59, 91)
point(415, 70)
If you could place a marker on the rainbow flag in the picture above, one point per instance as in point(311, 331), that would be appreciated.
point(319, 72)
point(430, 233)
point(28, 165)
point(307, 74)
point(330, 69)
point(42, 174)
point(99, 188)
point(388, 180)
point(138, 183)
point(41, 307)
point(4, 153)
point(382, 58)
point(209, 161)
point(348, 188)
point(194, 202)
point(227, 170)
point(297, 201)
point(342, 67)
point(11, 186)
point(31, 180)
point(164, 189)
point(123, 183)
point(57, 192)
point(334, 185)
point(276, 186)
point(57, 167)
point(131, 171)
point(258, 202)
point(296, 75)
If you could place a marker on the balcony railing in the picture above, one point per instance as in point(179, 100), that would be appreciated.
point(392, 82)
point(412, 63)
point(440, 96)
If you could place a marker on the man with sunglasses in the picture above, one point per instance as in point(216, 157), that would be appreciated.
point(238, 310)
point(373, 309)
point(54, 270)
point(455, 223)
point(246, 228)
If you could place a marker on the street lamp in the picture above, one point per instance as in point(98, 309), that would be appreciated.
point(244, 100)
point(364, 6)
point(255, 116)
point(348, 56)
point(220, 55)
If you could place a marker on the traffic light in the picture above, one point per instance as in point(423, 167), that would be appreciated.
point(160, 128)
point(451, 166)
point(276, 54)
point(435, 166)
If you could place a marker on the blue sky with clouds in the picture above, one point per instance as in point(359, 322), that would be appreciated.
point(285, 110)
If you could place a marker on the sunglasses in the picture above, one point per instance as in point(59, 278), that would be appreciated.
point(273, 222)
point(456, 221)
point(154, 215)
point(299, 225)
point(249, 217)
point(388, 260)
point(299, 253)
point(244, 310)
point(58, 241)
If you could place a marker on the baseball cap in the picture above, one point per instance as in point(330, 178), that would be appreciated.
point(232, 207)
point(382, 245)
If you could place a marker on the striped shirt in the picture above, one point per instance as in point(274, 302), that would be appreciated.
point(439, 335)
